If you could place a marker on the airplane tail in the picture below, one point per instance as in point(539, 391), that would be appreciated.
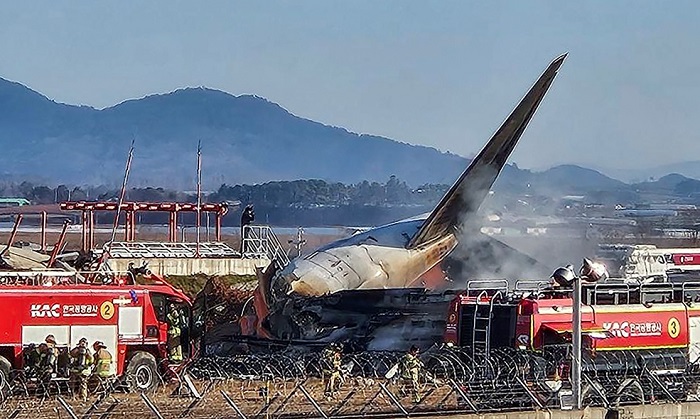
point(469, 191)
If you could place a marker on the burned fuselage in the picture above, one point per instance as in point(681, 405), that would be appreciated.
point(375, 259)
point(364, 284)
point(390, 319)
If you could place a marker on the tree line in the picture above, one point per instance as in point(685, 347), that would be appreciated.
point(313, 193)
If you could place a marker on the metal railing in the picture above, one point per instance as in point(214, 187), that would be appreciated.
point(136, 250)
point(49, 278)
point(260, 241)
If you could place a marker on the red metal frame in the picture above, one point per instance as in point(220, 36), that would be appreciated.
point(130, 209)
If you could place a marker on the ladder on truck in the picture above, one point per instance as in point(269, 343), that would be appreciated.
point(481, 330)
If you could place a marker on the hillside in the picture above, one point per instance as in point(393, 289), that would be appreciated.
point(246, 139)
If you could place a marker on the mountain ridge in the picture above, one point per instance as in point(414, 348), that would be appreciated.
point(245, 138)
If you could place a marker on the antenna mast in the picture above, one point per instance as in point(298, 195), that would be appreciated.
point(122, 193)
point(199, 192)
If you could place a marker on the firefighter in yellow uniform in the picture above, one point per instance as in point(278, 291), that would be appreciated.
point(32, 359)
point(330, 367)
point(174, 333)
point(48, 355)
point(103, 360)
point(410, 367)
point(81, 367)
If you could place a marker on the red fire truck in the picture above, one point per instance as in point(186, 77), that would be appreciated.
point(640, 342)
point(131, 319)
point(616, 316)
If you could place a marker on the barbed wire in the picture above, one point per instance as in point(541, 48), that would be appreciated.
point(291, 384)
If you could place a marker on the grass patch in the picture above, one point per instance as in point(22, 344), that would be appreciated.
point(192, 284)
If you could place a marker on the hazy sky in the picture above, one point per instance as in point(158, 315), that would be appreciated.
point(443, 74)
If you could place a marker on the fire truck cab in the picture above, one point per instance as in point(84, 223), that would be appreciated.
point(131, 320)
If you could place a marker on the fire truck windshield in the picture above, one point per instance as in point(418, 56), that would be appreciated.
point(176, 314)
point(164, 304)
point(160, 302)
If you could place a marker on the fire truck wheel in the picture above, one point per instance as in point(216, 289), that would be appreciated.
point(5, 368)
point(142, 372)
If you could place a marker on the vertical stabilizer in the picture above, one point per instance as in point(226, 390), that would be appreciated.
point(468, 192)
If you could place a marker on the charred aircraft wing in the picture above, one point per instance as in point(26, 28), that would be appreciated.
point(469, 191)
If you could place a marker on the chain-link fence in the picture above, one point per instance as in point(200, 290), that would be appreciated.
point(453, 380)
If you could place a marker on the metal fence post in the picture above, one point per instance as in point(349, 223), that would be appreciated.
point(108, 412)
point(66, 407)
point(529, 392)
point(284, 402)
point(393, 399)
point(463, 395)
point(343, 402)
point(233, 404)
point(151, 406)
point(313, 402)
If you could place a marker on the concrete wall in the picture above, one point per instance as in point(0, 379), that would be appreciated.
point(182, 266)
point(650, 411)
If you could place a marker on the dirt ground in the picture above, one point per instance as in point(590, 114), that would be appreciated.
point(254, 398)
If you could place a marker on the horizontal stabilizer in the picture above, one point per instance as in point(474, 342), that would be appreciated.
point(466, 195)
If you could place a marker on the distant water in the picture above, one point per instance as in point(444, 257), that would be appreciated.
point(320, 231)
point(6, 227)
point(286, 231)
point(317, 231)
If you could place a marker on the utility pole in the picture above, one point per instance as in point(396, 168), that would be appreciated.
point(576, 343)
point(566, 277)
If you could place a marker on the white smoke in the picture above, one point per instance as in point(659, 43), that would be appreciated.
point(515, 257)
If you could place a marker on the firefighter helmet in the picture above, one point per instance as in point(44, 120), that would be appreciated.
point(593, 271)
point(564, 276)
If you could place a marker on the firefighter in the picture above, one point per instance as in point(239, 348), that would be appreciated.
point(174, 333)
point(50, 340)
point(80, 367)
point(44, 367)
point(247, 218)
point(410, 367)
point(48, 359)
point(63, 362)
point(32, 359)
point(330, 367)
point(103, 360)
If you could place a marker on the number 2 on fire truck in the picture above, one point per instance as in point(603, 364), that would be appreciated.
point(107, 310)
